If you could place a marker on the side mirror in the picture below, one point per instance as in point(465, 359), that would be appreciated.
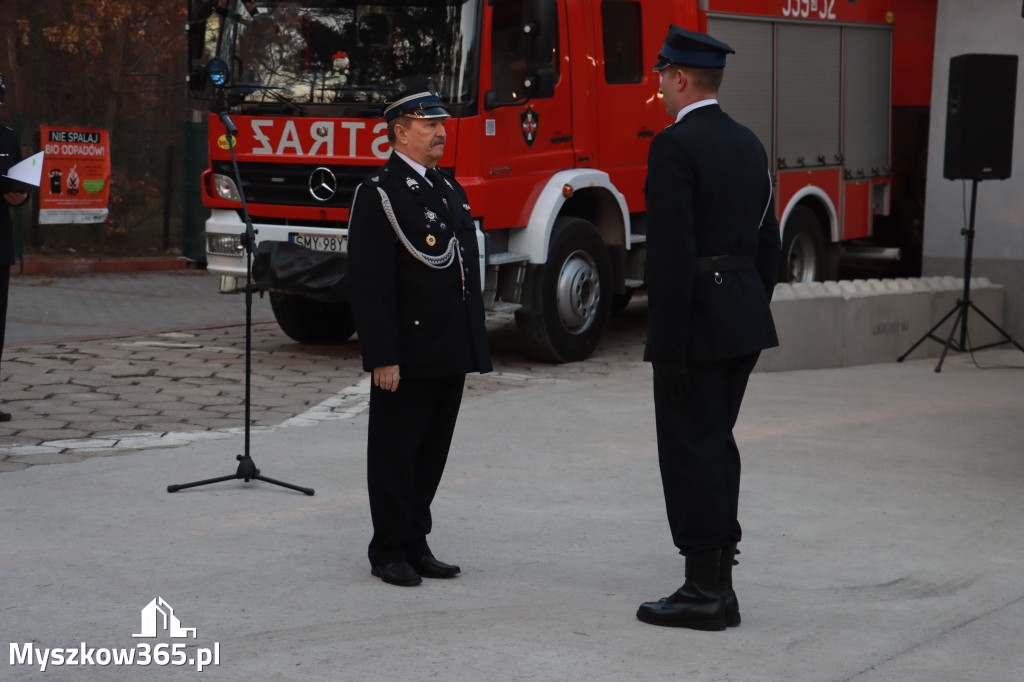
point(540, 84)
point(540, 24)
point(534, 75)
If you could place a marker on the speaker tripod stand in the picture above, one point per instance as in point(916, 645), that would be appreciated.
point(963, 305)
point(246, 466)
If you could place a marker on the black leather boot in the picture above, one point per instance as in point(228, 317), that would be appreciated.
point(698, 604)
point(732, 605)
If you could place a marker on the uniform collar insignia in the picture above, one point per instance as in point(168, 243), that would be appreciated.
point(412, 184)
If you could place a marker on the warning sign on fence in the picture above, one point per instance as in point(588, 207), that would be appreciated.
point(75, 186)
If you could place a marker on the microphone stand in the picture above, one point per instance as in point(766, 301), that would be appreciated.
point(246, 467)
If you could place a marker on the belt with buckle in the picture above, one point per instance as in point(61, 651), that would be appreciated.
point(725, 263)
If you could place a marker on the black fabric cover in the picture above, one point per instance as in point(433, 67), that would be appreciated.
point(294, 269)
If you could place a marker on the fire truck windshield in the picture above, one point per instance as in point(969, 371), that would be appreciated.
point(349, 51)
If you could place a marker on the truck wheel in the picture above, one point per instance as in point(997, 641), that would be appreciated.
point(309, 321)
point(805, 255)
point(569, 297)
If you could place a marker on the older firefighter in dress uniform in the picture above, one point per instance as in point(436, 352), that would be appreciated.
point(415, 291)
point(712, 260)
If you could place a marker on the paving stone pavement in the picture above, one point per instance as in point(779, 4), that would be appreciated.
point(83, 307)
point(143, 384)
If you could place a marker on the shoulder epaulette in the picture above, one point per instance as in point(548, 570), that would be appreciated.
point(379, 176)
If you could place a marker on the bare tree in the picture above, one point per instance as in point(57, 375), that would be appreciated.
point(108, 64)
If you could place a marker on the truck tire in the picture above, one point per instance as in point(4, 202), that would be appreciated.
point(805, 255)
point(569, 297)
point(309, 321)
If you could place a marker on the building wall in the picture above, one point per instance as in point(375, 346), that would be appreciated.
point(987, 27)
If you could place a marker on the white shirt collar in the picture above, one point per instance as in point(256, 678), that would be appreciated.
point(695, 105)
point(418, 167)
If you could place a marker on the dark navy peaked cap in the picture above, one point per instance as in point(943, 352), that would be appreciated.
point(418, 100)
point(690, 48)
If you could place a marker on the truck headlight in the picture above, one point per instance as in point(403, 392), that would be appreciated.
point(224, 244)
point(226, 188)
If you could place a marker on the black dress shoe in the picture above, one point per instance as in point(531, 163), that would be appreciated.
point(429, 567)
point(732, 608)
point(698, 604)
point(397, 573)
point(5, 416)
point(686, 608)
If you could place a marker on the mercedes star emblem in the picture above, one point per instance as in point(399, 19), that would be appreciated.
point(322, 184)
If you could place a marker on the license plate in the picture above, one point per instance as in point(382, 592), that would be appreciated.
point(319, 242)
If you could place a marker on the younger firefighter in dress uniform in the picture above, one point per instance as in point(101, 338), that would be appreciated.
point(414, 282)
point(712, 260)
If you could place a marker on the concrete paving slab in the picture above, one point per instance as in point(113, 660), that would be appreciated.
point(881, 504)
point(86, 306)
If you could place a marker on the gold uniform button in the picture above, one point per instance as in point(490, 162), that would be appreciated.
point(431, 240)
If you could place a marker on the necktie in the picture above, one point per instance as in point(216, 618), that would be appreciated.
point(435, 179)
point(438, 182)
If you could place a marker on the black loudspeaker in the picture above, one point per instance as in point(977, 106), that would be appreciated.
point(979, 116)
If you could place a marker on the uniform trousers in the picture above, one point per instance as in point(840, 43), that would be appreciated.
point(5, 285)
point(409, 434)
point(700, 462)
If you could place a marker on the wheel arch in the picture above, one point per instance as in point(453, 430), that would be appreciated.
point(818, 201)
point(593, 198)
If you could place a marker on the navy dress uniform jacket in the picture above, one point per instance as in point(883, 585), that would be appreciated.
point(708, 186)
point(10, 154)
point(426, 321)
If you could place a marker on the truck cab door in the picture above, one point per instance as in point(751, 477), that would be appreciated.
point(630, 111)
point(528, 107)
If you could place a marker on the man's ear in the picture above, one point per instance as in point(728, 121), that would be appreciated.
point(683, 78)
point(401, 132)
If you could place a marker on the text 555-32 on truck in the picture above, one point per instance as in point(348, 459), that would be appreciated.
point(554, 106)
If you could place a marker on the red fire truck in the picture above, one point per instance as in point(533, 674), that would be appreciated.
point(554, 106)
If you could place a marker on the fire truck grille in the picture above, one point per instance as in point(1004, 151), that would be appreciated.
point(288, 184)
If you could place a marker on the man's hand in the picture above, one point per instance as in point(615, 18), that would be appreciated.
point(674, 380)
point(386, 377)
point(15, 198)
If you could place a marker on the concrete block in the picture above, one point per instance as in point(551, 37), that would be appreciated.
point(859, 322)
point(879, 326)
point(809, 321)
